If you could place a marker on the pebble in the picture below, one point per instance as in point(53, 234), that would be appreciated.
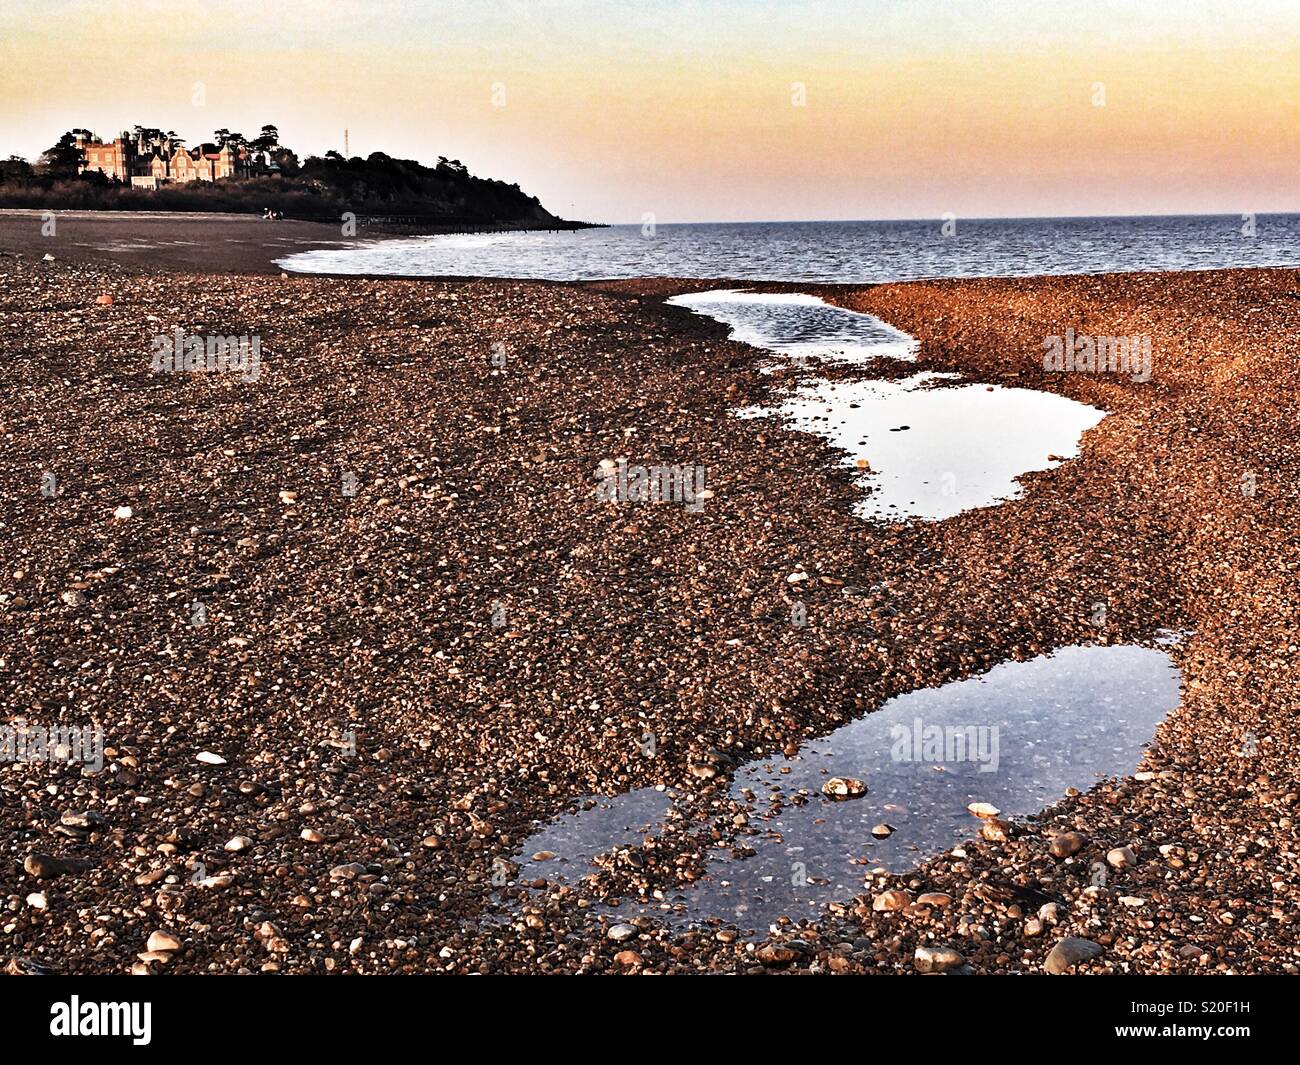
point(89, 819)
point(47, 866)
point(938, 899)
point(208, 758)
point(937, 959)
point(841, 788)
point(891, 901)
point(148, 956)
point(620, 932)
point(1065, 844)
point(1070, 952)
point(238, 843)
point(1121, 858)
point(994, 830)
point(160, 942)
point(774, 955)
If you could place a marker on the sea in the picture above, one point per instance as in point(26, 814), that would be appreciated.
point(849, 252)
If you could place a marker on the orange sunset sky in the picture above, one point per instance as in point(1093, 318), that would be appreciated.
point(710, 110)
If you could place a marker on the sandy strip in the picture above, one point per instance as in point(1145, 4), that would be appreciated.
point(148, 241)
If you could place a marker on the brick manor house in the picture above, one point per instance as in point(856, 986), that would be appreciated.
point(148, 163)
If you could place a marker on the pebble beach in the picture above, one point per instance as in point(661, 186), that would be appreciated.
point(354, 629)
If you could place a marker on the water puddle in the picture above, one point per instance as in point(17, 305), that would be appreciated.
point(930, 452)
point(925, 452)
point(1015, 737)
point(800, 326)
point(563, 850)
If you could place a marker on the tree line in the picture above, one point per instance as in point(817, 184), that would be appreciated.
point(315, 187)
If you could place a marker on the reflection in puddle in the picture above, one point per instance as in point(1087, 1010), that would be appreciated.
point(600, 823)
point(798, 325)
point(1015, 737)
point(935, 452)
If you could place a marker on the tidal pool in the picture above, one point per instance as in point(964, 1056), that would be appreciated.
point(796, 325)
point(928, 446)
point(1016, 737)
point(933, 452)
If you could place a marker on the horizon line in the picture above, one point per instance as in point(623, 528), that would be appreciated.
point(958, 218)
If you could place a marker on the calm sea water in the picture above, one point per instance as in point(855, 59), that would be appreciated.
point(854, 252)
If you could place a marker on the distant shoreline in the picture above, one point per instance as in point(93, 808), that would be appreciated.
point(162, 241)
point(213, 241)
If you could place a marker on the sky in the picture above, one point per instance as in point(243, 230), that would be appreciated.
point(710, 110)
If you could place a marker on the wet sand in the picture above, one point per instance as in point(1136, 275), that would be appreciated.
point(142, 241)
point(403, 681)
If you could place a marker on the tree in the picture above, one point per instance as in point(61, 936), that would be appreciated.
point(267, 140)
point(221, 136)
point(64, 159)
point(15, 170)
point(286, 160)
